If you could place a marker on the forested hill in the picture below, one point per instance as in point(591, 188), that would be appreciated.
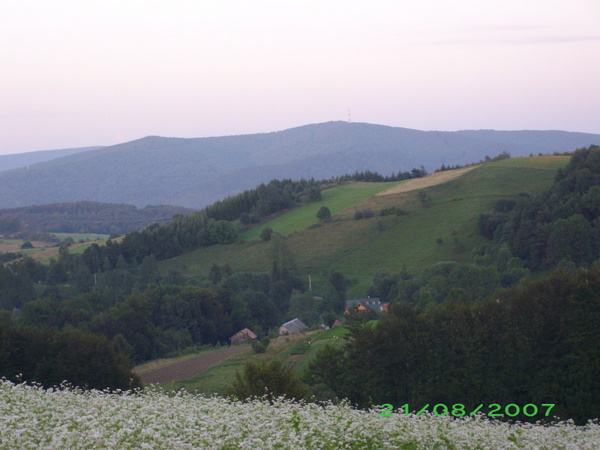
point(85, 217)
point(197, 172)
point(8, 162)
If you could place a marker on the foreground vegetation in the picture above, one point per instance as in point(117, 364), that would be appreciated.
point(65, 418)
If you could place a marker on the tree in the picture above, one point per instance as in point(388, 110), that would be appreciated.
point(26, 245)
point(324, 213)
point(338, 283)
point(269, 379)
point(221, 232)
point(267, 234)
point(314, 194)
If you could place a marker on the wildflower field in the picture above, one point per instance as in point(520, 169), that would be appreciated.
point(32, 417)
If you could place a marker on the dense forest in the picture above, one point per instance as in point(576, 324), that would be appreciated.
point(83, 217)
point(536, 343)
point(517, 323)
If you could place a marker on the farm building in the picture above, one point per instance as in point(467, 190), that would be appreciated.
point(291, 327)
point(242, 336)
point(364, 304)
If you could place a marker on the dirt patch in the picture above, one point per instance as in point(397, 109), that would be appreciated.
point(427, 181)
point(190, 367)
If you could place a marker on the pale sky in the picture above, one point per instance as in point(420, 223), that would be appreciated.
point(102, 72)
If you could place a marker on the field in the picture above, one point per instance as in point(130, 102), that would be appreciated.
point(185, 368)
point(44, 251)
point(32, 417)
point(336, 199)
point(216, 379)
point(441, 228)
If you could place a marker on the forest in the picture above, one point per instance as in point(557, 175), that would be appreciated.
point(83, 217)
point(519, 322)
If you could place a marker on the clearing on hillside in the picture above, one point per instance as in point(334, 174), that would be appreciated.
point(427, 181)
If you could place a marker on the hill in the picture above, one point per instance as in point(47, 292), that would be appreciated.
point(85, 217)
point(14, 161)
point(436, 223)
point(196, 172)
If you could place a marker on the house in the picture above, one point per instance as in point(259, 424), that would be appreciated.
point(365, 304)
point(337, 323)
point(292, 327)
point(242, 337)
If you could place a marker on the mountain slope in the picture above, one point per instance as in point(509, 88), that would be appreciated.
point(8, 162)
point(196, 172)
point(361, 248)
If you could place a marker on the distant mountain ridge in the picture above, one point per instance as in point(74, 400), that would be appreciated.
point(198, 171)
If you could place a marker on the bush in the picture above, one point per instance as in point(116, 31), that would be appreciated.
point(257, 346)
point(324, 213)
point(364, 214)
point(267, 234)
point(269, 379)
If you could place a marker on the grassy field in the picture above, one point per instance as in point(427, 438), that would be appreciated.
point(45, 251)
point(295, 351)
point(336, 199)
point(442, 230)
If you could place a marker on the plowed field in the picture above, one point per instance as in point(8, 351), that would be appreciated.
point(190, 367)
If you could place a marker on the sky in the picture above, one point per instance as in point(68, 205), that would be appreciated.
point(83, 73)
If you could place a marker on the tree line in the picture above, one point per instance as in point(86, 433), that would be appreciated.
point(83, 217)
point(560, 224)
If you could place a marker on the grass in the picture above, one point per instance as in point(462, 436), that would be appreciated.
point(336, 199)
point(165, 362)
point(45, 251)
point(295, 351)
point(215, 380)
point(82, 236)
point(443, 231)
point(220, 376)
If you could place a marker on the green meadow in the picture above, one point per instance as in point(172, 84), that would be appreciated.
point(441, 229)
point(294, 351)
point(336, 199)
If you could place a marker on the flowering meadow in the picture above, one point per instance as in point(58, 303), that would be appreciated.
point(33, 417)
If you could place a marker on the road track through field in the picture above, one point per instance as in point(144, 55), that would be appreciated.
point(427, 181)
point(190, 367)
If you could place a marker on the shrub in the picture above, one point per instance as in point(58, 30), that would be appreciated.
point(266, 379)
point(267, 234)
point(324, 213)
point(364, 214)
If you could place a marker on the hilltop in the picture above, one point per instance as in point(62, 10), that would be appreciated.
point(196, 172)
